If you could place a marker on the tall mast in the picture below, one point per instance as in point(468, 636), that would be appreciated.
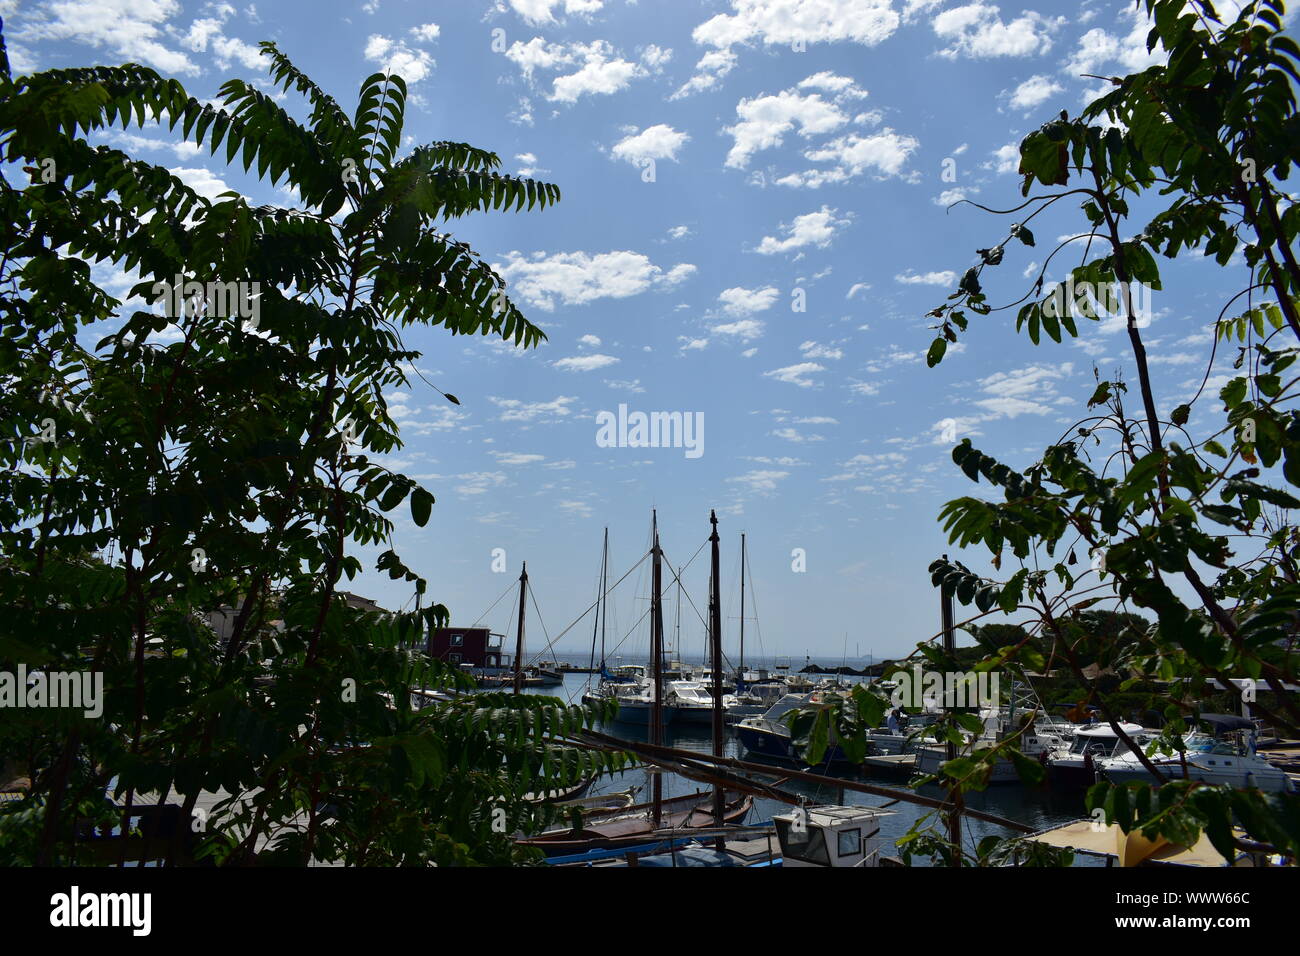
point(715, 648)
point(742, 609)
point(656, 662)
point(604, 583)
point(519, 638)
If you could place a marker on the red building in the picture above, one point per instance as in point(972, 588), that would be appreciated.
point(475, 646)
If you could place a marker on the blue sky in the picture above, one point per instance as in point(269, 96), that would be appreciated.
point(720, 163)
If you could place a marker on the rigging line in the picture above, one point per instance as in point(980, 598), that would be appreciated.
point(693, 557)
point(533, 594)
point(753, 602)
point(508, 589)
point(692, 603)
point(632, 630)
point(593, 604)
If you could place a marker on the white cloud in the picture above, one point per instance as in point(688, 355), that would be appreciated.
point(537, 54)
point(1033, 92)
point(426, 33)
point(515, 410)
point(679, 232)
point(786, 22)
point(956, 194)
point(625, 386)
point(1099, 48)
point(796, 374)
point(534, 12)
point(1025, 391)
point(977, 30)
point(202, 181)
point(576, 278)
point(947, 277)
point(885, 152)
point(394, 56)
point(584, 363)
point(811, 229)
point(653, 142)
point(129, 29)
point(514, 459)
point(1007, 158)
point(746, 330)
point(742, 301)
point(591, 341)
point(815, 350)
point(712, 67)
point(763, 122)
point(479, 482)
point(598, 75)
point(794, 435)
point(763, 481)
point(207, 32)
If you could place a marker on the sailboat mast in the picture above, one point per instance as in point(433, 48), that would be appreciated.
point(656, 661)
point(741, 667)
point(519, 638)
point(715, 649)
point(604, 583)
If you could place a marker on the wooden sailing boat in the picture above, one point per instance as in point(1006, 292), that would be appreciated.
point(646, 823)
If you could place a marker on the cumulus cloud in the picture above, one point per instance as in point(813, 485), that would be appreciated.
point(130, 29)
point(1033, 92)
point(394, 56)
point(654, 142)
point(977, 30)
point(742, 301)
point(711, 68)
point(576, 278)
point(884, 152)
point(763, 121)
point(811, 229)
point(596, 68)
point(789, 22)
point(537, 12)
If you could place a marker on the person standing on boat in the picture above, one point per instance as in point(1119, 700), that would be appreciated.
point(893, 721)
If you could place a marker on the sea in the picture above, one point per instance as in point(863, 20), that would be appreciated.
point(1038, 808)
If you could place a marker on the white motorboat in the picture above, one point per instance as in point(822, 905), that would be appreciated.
point(1207, 759)
point(1075, 767)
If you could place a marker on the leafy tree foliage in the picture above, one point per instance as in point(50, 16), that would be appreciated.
point(1130, 511)
point(150, 483)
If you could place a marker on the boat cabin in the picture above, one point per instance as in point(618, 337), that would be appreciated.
point(830, 836)
point(475, 646)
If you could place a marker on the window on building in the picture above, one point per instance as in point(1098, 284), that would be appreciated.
point(457, 640)
point(454, 658)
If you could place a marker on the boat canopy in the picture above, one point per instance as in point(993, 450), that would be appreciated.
point(1223, 723)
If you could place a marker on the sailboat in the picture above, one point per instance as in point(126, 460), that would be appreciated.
point(643, 824)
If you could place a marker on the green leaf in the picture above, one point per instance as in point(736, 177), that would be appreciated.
point(421, 503)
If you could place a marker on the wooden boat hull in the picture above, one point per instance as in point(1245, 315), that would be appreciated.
point(632, 826)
